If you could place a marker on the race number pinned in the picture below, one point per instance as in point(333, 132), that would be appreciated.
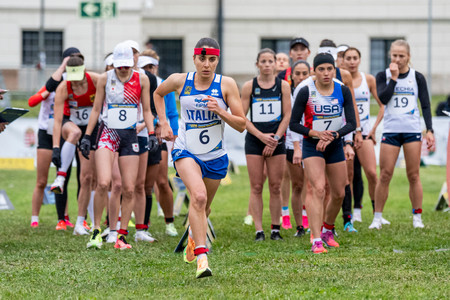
point(122, 116)
point(266, 109)
point(80, 115)
point(322, 123)
point(202, 138)
point(401, 104)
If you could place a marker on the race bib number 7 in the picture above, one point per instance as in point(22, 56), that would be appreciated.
point(122, 116)
point(202, 138)
point(322, 123)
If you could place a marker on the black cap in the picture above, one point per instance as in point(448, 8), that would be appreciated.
point(323, 58)
point(70, 51)
point(299, 41)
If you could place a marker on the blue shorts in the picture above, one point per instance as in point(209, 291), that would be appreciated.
point(398, 139)
point(333, 153)
point(143, 144)
point(213, 169)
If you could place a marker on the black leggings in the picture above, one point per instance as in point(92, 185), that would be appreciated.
point(358, 184)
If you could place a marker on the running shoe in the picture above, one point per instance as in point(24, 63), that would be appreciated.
point(95, 240)
point(248, 220)
point(106, 232)
point(260, 236)
point(143, 236)
point(311, 238)
point(171, 230)
point(34, 224)
point(203, 269)
point(57, 186)
point(80, 230)
point(334, 232)
point(376, 224)
point(112, 237)
point(328, 239)
point(86, 226)
point(385, 222)
point(61, 225)
point(305, 222)
point(417, 221)
point(349, 227)
point(300, 231)
point(286, 222)
point(275, 235)
point(356, 215)
point(68, 223)
point(188, 253)
point(318, 248)
point(122, 243)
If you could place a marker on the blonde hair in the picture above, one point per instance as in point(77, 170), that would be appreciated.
point(151, 53)
point(401, 43)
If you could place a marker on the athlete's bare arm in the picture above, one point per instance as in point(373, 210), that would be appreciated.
point(58, 112)
point(286, 102)
point(98, 103)
point(371, 82)
point(145, 99)
point(236, 119)
point(348, 81)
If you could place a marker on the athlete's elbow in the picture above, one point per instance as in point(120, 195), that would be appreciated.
point(241, 125)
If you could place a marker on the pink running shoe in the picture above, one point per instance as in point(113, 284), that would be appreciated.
point(68, 223)
point(122, 243)
point(34, 225)
point(318, 248)
point(286, 222)
point(328, 239)
point(305, 222)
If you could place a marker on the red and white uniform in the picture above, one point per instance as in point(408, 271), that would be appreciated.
point(79, 107)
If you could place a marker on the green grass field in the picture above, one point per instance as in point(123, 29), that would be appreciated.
point(395, 262)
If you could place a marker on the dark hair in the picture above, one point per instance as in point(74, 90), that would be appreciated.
point(352, 48)
point(209, 42)
point(327, 43)
point(106, 56)
point(266, 50)
point(75, 61)
point(298, 62)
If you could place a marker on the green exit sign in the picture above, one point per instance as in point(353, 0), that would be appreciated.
point(98, 10)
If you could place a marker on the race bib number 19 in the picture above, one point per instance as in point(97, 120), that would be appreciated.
point(401, 104)
point(122, 116)
point(204, 137)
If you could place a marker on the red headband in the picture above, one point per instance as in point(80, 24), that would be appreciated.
point(206, 51)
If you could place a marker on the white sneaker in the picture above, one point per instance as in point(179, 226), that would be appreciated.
point(385, 222)
point(118, 225)
point(171, 230)
point(112, 237)
point(376, 224)
point(80, 230)
point(105, 232)
point(143, 236)
point(57, 186)
point(248, 220)
point(356, 215)
point(417, 221)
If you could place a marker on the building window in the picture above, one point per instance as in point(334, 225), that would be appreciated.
point(277, 45)
point(379, 54)
point(170, 53)
point(53, 42)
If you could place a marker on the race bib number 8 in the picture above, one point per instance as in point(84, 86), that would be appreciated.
point(264, 110)
point(80, 115)
point(322, 123)
point(401, 104)
point(122, 116)
point(204, 137)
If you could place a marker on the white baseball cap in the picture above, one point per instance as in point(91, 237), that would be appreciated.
point(147, 60)
point(134, 45)
point(123, 56)
point(329, 50)
point(109, 60)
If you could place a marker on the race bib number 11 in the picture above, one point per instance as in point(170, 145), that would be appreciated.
point(122, 116)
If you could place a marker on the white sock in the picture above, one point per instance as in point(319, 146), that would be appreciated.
point(377, 215)
point(80, 220)
point(304, 212)
point(325, 230)
point(200, 256)
point(355, 210)
point(285, 211)
point(67, 154)
point(34, 219)
point(90, 208)
point(317, 240)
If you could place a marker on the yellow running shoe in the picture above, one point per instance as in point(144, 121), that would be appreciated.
point(188, 253)
point(203, 269)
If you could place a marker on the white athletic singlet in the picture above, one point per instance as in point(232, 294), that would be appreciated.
point(46, 113)
point(143, 132)
point(201, 130)
point(121, 107)
point(362, 96)
point(402, 113)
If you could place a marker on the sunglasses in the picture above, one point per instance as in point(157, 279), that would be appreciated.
point(123, 68)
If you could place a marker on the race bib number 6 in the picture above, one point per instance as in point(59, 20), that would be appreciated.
point(204, 137)
point(122, 116)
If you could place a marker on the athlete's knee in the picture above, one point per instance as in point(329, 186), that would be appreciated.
point(102, 186)
point(74, 135)
point(257, 189)
point(41, 183)
point(319, 190)
point(127, 192)
point(199, 200)
point(87, 179)
point(413, 177)
point(275, 187)
point(297, 188)
point(372, 176)
point(385, 177)
point(116, 187)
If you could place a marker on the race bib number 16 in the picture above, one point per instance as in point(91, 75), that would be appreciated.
point(122, 116)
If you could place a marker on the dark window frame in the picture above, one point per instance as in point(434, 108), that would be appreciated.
point(170, 52)
point(53, 42)
point(384, 43)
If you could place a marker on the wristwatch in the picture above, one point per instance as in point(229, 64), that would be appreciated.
point(358, 129)
point(276, 138)
point(431, 130)
point(348, 143)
